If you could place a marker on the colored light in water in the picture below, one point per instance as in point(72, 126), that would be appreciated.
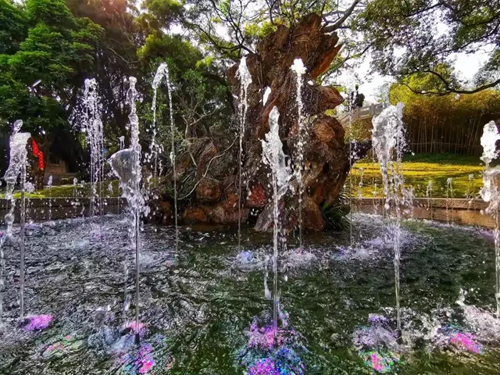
point(38, 322)
point(380, 362)
point(140, 360)
point(466, 341)
point(272, 351)
point(60, 347)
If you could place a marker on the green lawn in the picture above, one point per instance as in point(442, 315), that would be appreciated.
point(419, 170)
point(69, 191)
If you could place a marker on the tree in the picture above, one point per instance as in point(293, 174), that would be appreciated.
point(247, 21)
point(115, 58)
point(445, 123)
point(426, 33)
point(12, 27)
point(43, 64)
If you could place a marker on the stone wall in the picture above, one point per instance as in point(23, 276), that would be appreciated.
point(452, 211)
point(43, 209)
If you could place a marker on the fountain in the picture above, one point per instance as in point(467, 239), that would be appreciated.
point(126, 165)
point(389, 139)
point(195, 303)
point(274, 158)
point(491, 194)
point(162, 73)
point(93, 128)
point(17, 168)
point(360, 185)
point(155, 148)
point(245, 80)
point(49, 186)
point(428, 194)
point(299, 69)
point(449, 198)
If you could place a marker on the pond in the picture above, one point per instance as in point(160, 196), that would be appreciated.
point(203, 307)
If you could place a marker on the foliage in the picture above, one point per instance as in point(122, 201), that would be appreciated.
point(418, 170)
point(245, 22)
point(44, 53)
point(336, 214)
point(12, 27)
point(411, 37)
point(450, 123)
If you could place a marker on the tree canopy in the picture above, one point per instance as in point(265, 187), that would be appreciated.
point(414, 37)
point(49, 47)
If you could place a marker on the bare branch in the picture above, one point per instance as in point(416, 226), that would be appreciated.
point(207, 169)
point(342, 19)
point(449, 88)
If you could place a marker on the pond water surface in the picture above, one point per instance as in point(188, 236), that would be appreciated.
point(198, 304)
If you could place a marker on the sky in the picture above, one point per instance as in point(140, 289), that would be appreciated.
point(466, 65)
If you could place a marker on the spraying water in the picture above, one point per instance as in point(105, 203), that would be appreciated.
point(93, 128)
point(162, 73)
point(274, 157)
point(17, 167)
point(245, 78)
point(428, 194)
point(491, 194)
point(375, 192)
point(470, 187)
point(121, 141)
point(299, 69)
point(360, 184)
point(126, 165)
point(449, 197)
point(155, 148)
point(49, 186)
point(389, 143)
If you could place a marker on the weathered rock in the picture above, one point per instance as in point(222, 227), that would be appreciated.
point(208, 191)
point(231, 203)
point(257, 197)
point(220, 215)
point(194, 215)
point(326, 155)
point(311, 215)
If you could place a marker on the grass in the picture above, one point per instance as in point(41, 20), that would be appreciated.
point(109, 189)
point(418, 171)
point(466, 172)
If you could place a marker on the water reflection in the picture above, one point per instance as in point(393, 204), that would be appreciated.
point(198, 302)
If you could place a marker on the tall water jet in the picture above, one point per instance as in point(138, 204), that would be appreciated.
point(243, 74)
point(162, 73)
point(449, 197)
point(299, 69)
point(93, 128)
point(17, 168)
point(360, 184)
point(126, 165)
point(389, 142)
point(491, 194)
point(470, 187)
point(155, 148)
point(274, 157)
point(428, 194)
point(49, 187)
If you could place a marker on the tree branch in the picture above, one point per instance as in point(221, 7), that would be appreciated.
point(346, 15)
point(448, 88)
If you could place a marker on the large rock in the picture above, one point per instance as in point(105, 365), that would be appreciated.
point(208, 191)
point(326, 155)
point(209, 172)
point(194, 215)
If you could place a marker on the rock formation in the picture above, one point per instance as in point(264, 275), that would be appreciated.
point(326, 153)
